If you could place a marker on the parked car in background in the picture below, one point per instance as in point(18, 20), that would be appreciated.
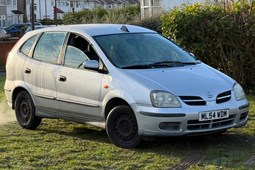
point(17, 30)
point(3, 34)
point(127, 79)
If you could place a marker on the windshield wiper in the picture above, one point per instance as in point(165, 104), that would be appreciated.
point(142, 66)
point(173, 63)
point(161, 64)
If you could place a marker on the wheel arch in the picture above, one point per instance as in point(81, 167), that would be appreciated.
point(113, 103)
point(15, 93)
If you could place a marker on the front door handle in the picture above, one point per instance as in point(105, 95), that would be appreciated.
point(28, 71)
point(62, 78)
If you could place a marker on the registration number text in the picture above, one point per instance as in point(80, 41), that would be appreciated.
point(212, 115)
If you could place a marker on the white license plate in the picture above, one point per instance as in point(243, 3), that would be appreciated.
point(213, 115)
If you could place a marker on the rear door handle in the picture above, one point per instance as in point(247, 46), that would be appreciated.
point(28, 71)
point(62, 78)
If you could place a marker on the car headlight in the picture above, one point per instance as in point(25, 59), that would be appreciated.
point(238, 91)
point(164, 99)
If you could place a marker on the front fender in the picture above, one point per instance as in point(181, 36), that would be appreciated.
point(120, 94)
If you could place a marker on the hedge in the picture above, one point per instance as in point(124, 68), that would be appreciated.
point(100, 15)
point(222, 39)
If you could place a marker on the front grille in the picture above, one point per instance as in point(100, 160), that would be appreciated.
point(223, 97)
point(193, 100)
point(210, 124)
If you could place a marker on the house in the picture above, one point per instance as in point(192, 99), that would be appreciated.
point(44, 9)
point(18, 11)
point(153, 7)
point(9, 12)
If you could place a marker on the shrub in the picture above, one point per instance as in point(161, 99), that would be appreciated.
point(77, 17)
point(51, 22)
point(153, 23)
point(127, 15)
point(223, 39)
point(100, 15)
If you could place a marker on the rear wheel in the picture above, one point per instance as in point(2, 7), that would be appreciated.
point(121, 127)
point(25, 111)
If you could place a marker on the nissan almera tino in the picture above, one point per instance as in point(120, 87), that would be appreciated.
point(127, 79)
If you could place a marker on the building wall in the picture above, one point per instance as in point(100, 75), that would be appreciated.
point(7, 17)
point(44, 8)
point(150, 8)
point(154, 7)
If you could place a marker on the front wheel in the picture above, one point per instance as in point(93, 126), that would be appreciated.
point(122, 128)
point(25, 111)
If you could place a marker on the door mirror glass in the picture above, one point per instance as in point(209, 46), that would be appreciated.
point(74, 57)
point(91, 64)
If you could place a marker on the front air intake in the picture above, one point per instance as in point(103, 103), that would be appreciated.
point(223, 97)
point(193, 100)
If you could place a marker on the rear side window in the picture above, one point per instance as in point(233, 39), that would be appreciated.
point(27, 46)
point(49, 46)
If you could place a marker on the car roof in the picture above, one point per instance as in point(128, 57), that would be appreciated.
point(99, 29)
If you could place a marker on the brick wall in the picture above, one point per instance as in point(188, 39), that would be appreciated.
point(5, 48)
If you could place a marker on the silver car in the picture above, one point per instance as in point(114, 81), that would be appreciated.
point(127, 79)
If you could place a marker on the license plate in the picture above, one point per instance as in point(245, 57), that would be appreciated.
point(213, 115)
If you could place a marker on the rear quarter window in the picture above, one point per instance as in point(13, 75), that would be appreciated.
point(27, 46)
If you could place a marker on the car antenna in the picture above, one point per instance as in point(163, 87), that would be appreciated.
point(124, 28)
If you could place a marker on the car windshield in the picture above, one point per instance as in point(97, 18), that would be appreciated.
point(143, 50)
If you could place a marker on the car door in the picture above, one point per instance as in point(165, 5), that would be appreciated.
point(40, 71)
point(79, 89)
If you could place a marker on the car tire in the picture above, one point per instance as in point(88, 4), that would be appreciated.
point(122, 128)
point(25, 111)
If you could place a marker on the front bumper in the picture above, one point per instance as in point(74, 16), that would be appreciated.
point(185, 121)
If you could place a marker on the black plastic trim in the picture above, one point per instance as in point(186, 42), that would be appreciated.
point(163, 114)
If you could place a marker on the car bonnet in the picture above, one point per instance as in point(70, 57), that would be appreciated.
point(197, 80)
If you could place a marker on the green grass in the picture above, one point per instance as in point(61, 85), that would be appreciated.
point(58, 144)
point(2, 79)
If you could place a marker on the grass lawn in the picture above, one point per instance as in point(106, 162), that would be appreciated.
point(2, 79)
point(58, 144)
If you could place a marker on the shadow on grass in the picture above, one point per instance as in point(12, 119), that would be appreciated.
point(76, 130)
point(228, 140)
point(221, 150)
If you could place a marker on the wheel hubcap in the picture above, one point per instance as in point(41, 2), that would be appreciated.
point(24, 110)
point(125, 127)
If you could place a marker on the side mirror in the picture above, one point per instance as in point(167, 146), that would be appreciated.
point(91, 64)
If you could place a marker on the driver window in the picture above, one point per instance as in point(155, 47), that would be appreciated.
point(74, 57)
point(78, 51)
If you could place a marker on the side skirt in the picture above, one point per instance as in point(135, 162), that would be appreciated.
point(74, 118)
